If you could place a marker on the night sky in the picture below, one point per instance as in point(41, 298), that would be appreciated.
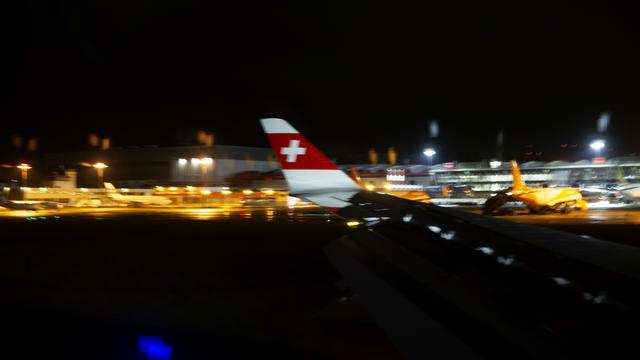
point(155, 72)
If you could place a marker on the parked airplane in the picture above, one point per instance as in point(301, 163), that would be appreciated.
point(28, 205)
point(445, 284)
point(629, 192)
point(537, 200)
point(135, 199)
point(415, 195)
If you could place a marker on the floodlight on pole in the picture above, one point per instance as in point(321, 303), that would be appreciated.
point(597, 145)
point(429, 154)
point(24, 168)
point(100, 169)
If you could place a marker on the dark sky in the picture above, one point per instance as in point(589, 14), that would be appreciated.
point(154, 72)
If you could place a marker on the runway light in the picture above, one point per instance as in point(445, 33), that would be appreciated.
point(247, 192)
point(205, 192)
point(268, 192)
point(182, 161)
point(494, 164)
point(597, 145)
point(100, 165)
point(124, 190)
point(195, 161)
point(84, 189)
point(43, 189)
point(370, 187)
point(173, 188)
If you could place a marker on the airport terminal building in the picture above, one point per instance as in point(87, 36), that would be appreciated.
point(240, 166)
point(145, 167)
point(489, 176)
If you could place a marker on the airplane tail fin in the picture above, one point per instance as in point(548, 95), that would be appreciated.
point(518, 183)
point(305, 168)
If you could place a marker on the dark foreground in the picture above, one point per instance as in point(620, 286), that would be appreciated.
point(242, 285)
point(206, 284)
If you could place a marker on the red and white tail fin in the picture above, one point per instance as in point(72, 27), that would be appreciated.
point(305, 168)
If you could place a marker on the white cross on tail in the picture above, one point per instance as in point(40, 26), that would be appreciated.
point(293, 150)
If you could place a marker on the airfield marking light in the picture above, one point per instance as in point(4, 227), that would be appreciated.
point(173, 188)
point(182, 161)
point(495, 163)
point(226, 192)
point(370, 187)
point(24, 168)
point(247, 192)
point(43, 189)
point(125, 190)
point(84, 189)
point(205, 192)
point(195, 161)
point(269, 192)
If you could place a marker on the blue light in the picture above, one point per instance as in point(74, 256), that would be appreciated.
point(154, 348)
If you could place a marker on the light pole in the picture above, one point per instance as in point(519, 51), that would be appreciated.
point(100, 169)
point(597, 145)
point(204, 167)
point(429, 153)
point(24, 168)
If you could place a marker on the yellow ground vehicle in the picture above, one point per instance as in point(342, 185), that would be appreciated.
point(537, 200)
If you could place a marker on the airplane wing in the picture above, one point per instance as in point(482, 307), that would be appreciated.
point(446, 284)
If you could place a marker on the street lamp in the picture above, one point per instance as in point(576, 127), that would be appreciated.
point(100, 169)
point(24, 168)
point(429, 153)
